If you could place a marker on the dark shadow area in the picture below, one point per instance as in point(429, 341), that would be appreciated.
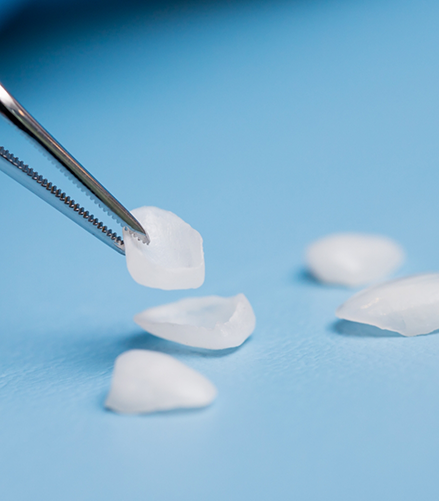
point(305, 277)
point(356, 329)
point(36, 21)
point(38, 28)
point(36, 24)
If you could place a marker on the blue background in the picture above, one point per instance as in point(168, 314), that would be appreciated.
point(265, 125)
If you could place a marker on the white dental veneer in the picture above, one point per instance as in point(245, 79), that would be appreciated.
point(353, 259)
point(148, 381)
point(211, 322)
point(174, 259)
point(407, 305)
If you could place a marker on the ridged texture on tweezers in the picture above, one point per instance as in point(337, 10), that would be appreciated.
point(62, 197)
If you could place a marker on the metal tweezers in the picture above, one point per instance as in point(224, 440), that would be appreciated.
point(30, 179)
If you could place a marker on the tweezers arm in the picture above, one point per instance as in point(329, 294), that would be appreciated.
point(41, 187)
point(17, 115)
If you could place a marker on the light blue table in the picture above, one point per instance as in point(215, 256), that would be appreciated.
point(264, 125)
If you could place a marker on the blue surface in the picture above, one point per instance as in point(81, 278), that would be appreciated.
point(265, 126)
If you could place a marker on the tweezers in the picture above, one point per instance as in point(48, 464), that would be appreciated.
point(29, 178)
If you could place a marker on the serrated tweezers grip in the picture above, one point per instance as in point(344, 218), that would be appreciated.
point(16, 114)
point(30, 179)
